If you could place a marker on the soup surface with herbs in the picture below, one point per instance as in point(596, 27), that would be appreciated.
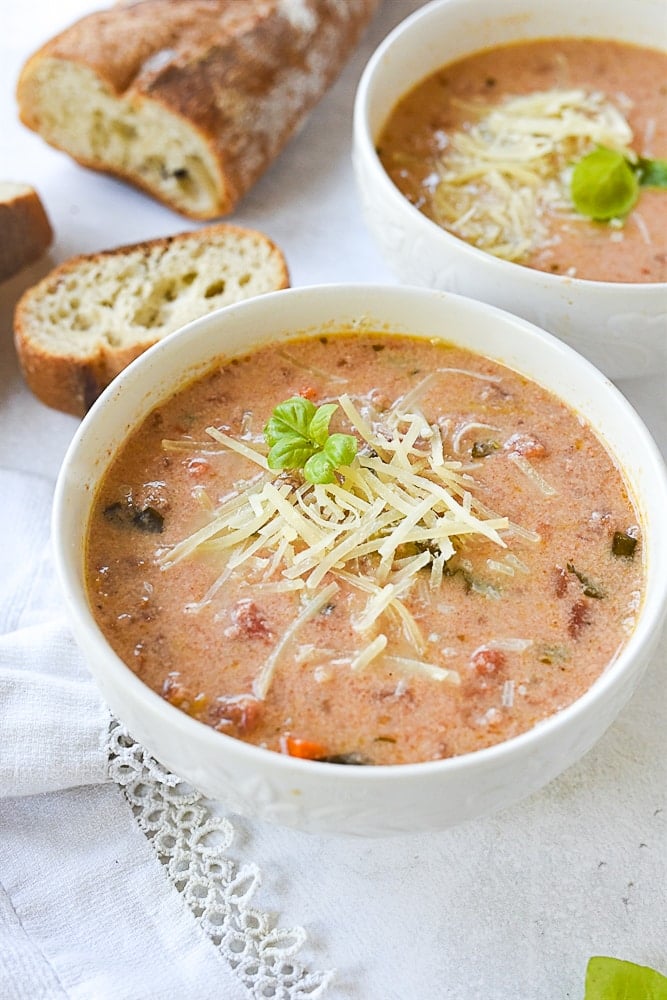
point(442, 555)
point(488, 147)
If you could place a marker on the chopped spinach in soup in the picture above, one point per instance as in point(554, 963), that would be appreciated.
point(470, 568)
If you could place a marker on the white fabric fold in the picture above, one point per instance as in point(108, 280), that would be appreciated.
point(53, 724)
point(24, 534)
point(84, 883)
point(24, 972)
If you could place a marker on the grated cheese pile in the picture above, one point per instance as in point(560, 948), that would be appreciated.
point(499, 176)
point(398, 490)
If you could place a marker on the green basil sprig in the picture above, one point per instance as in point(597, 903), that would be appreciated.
point(652, 173)
point(614, 979)
point(605, 184)
point(297, 433)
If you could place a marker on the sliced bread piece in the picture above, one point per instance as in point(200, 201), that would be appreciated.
point(86, 320)
point(190, 101)
point(25, 231)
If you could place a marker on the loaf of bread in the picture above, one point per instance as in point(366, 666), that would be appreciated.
point(25, 231)
point(86, 320)
point(190, 100)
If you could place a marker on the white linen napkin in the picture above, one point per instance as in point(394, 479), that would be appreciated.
point(90, 905)
point(94, 910)
point(52, 721)
point(53, 724)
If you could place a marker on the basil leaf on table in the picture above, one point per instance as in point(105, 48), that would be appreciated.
point(614, 979)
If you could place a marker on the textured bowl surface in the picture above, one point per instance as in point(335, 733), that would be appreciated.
point(325, 797)
point(620, 327)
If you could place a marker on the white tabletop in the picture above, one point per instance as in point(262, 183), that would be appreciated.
point(507, 908)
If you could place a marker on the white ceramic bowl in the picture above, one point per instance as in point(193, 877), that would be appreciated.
point(620, 327)
point(326, 797)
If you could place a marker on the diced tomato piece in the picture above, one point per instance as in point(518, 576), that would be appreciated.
point(240, 713)
point(308, 392)
point(561, 581)
point(198, 468)
point(487, 662)
point(175, 692)
point(248, 621)
point(296, 747)
point(527, 445)
point(580, 615)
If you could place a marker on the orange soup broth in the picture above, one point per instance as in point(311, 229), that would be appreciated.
point(414, 142)
point(515, 623)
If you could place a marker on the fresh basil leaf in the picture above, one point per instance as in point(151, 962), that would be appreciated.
point(341, 449)
point(298, 437)
point(318, 429)
point(319, 469)
point(652, 173)
point(604, 185)
point(290, 452)
point(614, 979)
point(291, 417)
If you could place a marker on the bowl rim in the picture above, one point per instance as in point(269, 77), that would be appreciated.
point(69, 564)
point(365, 146)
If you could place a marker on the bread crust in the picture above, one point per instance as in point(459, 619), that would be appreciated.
point(240, 75)
point(25, 231)
point(71, 381)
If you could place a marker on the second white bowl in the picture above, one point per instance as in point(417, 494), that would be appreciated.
point(620, 327)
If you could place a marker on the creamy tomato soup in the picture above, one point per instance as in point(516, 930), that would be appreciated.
point(471, 570)
point(485, 148)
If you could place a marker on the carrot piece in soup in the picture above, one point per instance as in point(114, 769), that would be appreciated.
point(296, 747)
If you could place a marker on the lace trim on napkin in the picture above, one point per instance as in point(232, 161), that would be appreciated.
point(191, 843)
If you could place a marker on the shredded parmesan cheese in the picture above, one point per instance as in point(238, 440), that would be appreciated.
point(501, 174)
point(431, 670)
point(507, 695)
point(234, 445)
point(500, 567)
point(263, 681)
point(369, 653)
point(401, 508)
point(530, 472)
point(517, 564)
point(472, 425)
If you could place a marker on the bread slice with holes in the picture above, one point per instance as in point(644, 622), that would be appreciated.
point(190, 100)
point(85, 321)
point(25, 231)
